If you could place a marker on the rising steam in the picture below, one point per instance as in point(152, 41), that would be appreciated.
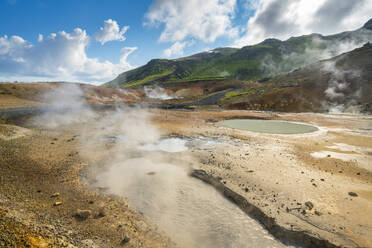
point(157, 92)
point(66, 104)
point(342, 96)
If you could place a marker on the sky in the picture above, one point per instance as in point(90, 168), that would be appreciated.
point(92, 41)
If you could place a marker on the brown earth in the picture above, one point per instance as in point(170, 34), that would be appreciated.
point(40, 168)
point(279, 174)
point(13, 95)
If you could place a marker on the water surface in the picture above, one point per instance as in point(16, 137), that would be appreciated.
point(268, 126)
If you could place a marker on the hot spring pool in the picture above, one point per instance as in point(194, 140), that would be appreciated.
point(268, 126)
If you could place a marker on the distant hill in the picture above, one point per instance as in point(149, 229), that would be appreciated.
point(342, 83)
point(250, 63)
point(13, 95)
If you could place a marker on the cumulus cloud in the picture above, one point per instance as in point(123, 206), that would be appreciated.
point(285, 18)
point(176, 49)
point(204, 20)
point(110, 32)
point(59, 56)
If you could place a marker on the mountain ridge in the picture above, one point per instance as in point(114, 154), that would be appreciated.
point(257, 62)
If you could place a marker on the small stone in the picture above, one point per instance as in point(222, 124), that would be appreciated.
point(353, 194)
point(101, 212)
point(309, 205)
point(57, 203)
point(54, 195)
point(317, 213)
point(329, 155)
point(151, 173)
point(125, 240)
point(83, 214)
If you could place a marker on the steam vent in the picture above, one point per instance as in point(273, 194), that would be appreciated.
point(191, 124)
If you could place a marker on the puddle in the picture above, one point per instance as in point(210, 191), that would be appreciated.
point(191, 212)
point(268, 126)
point(113, 139)
point(166, 145)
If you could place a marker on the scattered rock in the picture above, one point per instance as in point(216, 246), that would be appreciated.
point(83, 214)
point(57, 203)
point(125, 240)
point(353, 194)
point(101, 212)
point(54, 195)
point(309, 205)
point(329, 155)
point(88, 243)
point(317, 213)
point(151, 173)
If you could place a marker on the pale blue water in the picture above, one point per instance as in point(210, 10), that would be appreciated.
point(268, 126)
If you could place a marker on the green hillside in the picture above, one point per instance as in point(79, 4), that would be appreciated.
point(250, 63)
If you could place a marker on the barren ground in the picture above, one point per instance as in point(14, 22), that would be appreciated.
point(277, 173)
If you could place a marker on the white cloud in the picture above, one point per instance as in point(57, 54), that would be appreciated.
point(176, 49)
point(205, 20)
point(110, 32)
point(40, 38)
point(59, 56)
point(285, 18)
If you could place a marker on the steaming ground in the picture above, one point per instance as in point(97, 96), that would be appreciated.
point(325, 196)
point(192, 213)
point(284, 175)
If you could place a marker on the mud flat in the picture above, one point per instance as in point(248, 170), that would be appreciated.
point(326, 197)
point(191, 212)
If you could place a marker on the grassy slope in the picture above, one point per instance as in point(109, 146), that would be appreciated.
point(264, 60)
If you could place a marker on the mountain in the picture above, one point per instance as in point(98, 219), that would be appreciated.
point(342, 83)
point(250, 63)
